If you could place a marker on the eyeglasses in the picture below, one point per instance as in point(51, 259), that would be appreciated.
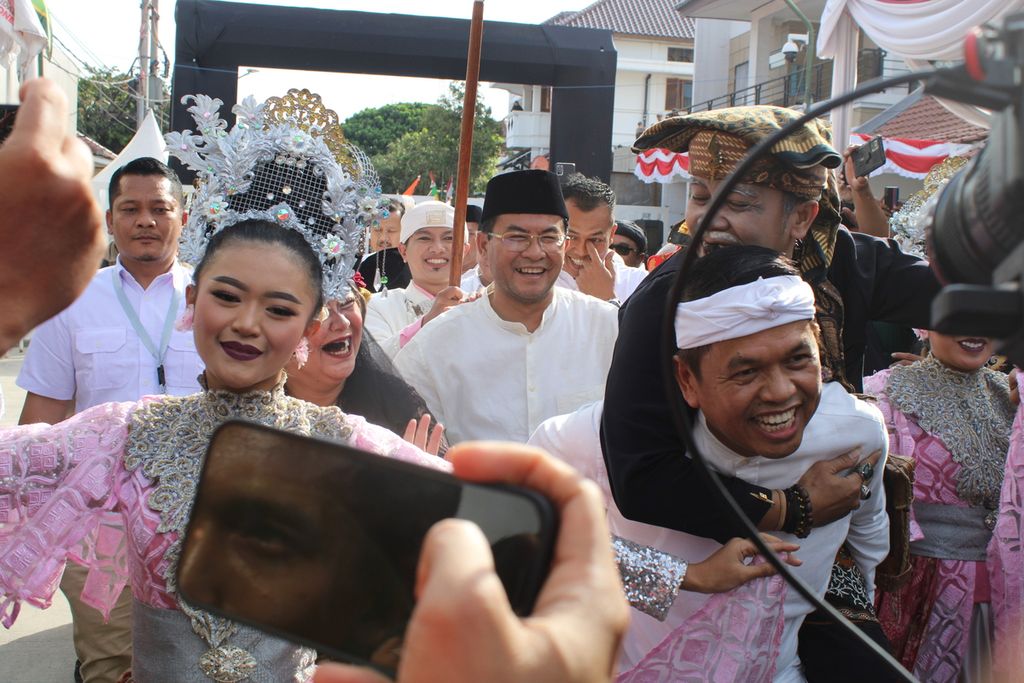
point(623, 249)
point(521, 241)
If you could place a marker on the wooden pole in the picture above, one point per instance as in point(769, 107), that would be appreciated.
point(476, 34)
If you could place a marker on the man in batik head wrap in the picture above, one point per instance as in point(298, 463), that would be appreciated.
point(788, 202)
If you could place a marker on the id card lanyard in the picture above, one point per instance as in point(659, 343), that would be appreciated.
point(165, 337)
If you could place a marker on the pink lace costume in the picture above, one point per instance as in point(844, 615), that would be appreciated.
point(929, 620)
point(64, 488)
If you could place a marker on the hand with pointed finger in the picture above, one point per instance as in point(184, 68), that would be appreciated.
point(51, 234)
point(596, 275)
point(730, 567)
point(419, 434)
point(445, 299)
point(462, 628)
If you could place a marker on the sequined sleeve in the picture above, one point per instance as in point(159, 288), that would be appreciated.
point(56, 503)
point(651, 577)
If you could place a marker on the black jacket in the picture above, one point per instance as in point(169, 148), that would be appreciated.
point(652, 479)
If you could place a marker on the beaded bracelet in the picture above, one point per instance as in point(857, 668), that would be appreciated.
point(799, 518)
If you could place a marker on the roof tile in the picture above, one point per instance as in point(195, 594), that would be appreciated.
point(653, 18)
point(926, 119)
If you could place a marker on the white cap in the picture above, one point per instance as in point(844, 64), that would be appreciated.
point(427, 215)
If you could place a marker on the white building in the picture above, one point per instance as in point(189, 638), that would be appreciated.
point(654, 77)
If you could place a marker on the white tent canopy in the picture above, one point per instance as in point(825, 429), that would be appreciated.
point(148, 142)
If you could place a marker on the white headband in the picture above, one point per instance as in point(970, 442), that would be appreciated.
point(746, 309)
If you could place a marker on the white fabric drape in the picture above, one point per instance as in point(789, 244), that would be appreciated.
point(21, 32)
point(926, 29)
point(917, 31)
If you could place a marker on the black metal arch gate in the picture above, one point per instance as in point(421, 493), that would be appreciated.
point(215, 38)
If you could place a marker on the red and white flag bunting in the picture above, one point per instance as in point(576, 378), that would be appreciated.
point(903, 156)
point(912, 158)
point(662, 166)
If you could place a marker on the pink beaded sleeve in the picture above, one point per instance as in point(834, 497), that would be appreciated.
point(57, 502)
point(370, 437)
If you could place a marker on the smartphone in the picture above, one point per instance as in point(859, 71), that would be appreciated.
point(868, 157)
point(891, 197)
point(7, 114)
point(318, 542)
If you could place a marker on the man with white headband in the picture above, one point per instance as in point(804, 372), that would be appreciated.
point(748, 362)
point(786, 202)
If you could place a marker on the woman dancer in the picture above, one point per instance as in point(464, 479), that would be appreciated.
point(953, 415)
point(258, 289)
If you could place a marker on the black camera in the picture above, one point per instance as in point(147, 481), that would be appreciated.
point(975, 225)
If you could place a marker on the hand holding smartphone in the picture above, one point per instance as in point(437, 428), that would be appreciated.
point(319, 542)
point(869, 157)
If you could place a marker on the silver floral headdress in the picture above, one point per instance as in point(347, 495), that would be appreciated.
point(284, 161)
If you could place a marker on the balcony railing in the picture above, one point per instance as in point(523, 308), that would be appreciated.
point(527, 129)
point(789, 90)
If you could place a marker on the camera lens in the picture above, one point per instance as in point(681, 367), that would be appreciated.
point(974, 222)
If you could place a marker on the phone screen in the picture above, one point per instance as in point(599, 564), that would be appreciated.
point(319, 542)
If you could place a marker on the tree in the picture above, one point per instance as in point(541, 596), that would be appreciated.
point(107, 105)
point(372, 130)
point(435, 148)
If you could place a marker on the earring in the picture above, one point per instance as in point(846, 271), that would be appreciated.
point(184, 323)
point(302, 352)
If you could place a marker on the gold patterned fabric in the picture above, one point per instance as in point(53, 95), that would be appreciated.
point(795, 162)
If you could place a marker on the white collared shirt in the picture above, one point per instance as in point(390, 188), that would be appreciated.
point(627, 278)
point(387, 314)
point(841, 423)
point(90, 352)
point(486, 378)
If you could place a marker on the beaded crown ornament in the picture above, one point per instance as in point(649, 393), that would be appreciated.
point(285, 161)
point(908, 224)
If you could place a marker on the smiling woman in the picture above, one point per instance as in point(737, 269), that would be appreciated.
point(258, 289)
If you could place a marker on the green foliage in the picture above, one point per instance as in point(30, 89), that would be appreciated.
point(435, 147)
point(106, 107)
point(372, 130)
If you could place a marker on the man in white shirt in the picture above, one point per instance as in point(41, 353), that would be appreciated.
point(495, 368)
point(590, 266)
point(394, 317)
point(749, 362)
point(117, 342)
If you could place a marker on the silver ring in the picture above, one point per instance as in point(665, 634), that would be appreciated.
point(865, 470)
point(865, 492)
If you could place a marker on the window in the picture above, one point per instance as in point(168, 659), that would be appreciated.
point(678, 94)
point(680, 54)
point(740, 75)
point(546, 98)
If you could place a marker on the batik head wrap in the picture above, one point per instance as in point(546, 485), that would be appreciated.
point(718, 140)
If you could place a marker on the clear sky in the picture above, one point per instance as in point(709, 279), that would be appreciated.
point(105, 32)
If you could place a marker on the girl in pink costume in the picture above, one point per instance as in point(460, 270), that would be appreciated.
point(953, 415)
point(64, 488)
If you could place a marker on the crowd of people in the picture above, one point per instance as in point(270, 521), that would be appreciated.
point(290, 292)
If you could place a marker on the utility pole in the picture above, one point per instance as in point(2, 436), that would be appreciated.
point(156, 86)
point(142, 93)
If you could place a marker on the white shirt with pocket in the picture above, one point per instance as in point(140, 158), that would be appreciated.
point(487, 378)
point(91, 353)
